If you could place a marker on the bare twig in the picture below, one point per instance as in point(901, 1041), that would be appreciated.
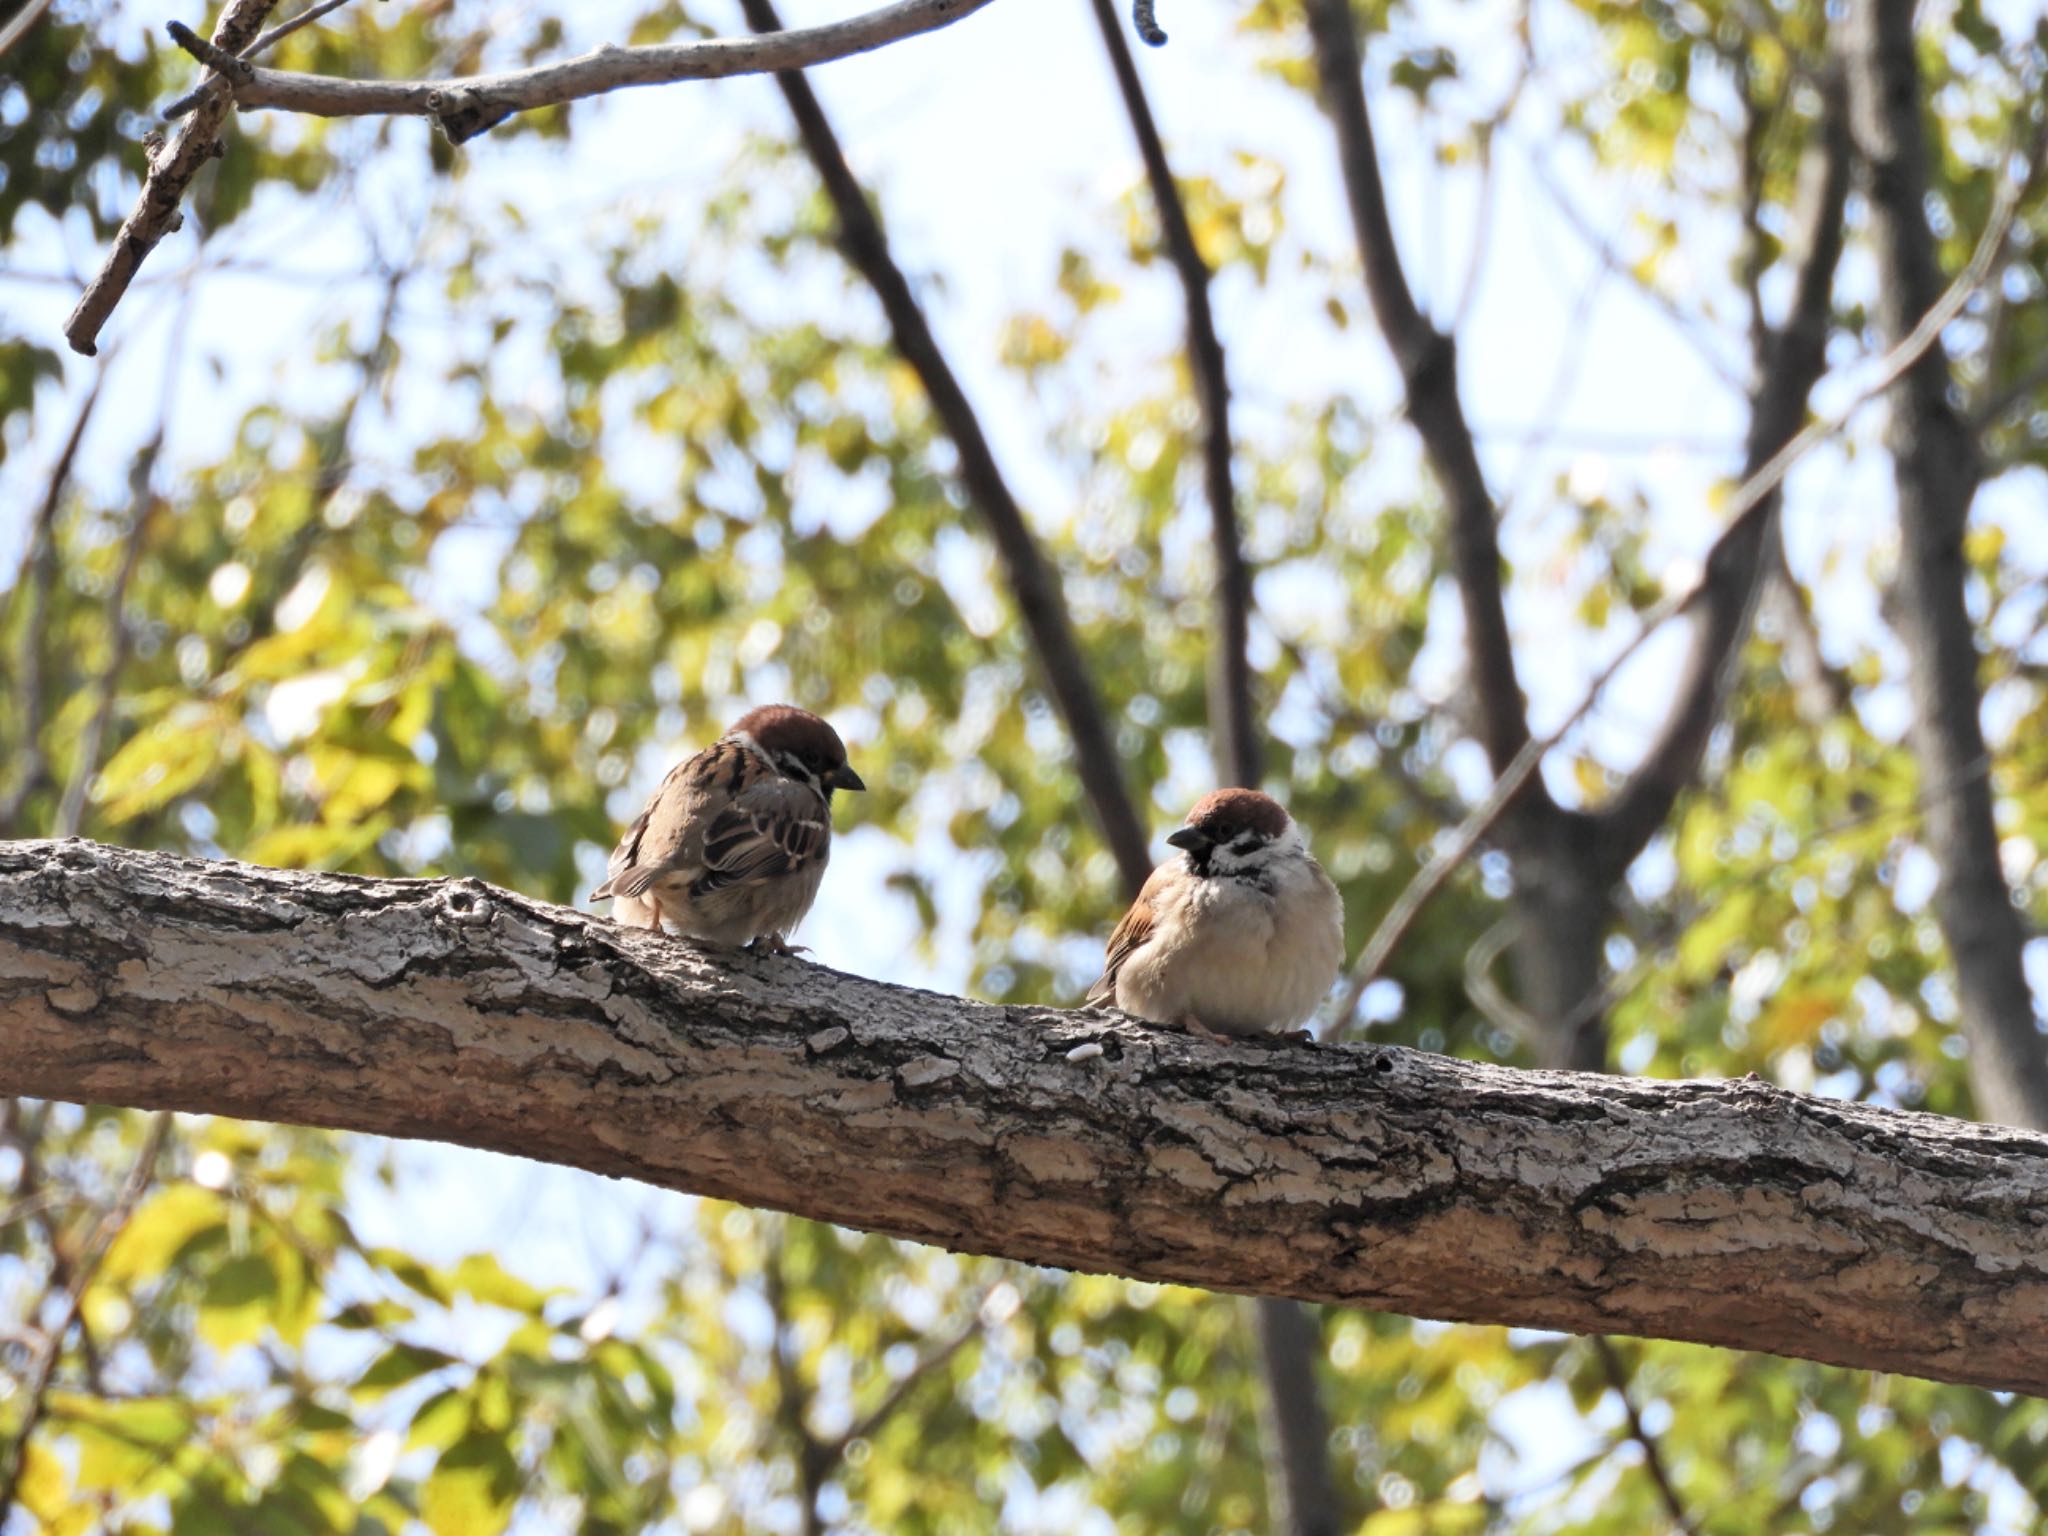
point(44, 1364)
point(1233, 722)
point(120, 639)
point(1819, 691)
point(1653, 1452)
point(1791, 357)
point(257, 49)
point(1751, 501)
point(926, 1365)
point(1683, 320)
point(792, 1402)
point(19, 23)
point(1145, 20)
point(1034, 585)
point(171, 170)
point(39, 569)
point(468, 105)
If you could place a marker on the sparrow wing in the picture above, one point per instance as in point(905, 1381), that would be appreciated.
point(668, 836)
point(1130, 936)
point(773, 829)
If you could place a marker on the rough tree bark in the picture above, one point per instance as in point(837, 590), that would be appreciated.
point(1724, 1213)
point(1936, 470)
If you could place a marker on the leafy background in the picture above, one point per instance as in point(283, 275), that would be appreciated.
point(429, 502)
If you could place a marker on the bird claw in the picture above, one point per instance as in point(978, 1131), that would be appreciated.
point(776, 944)
point(1201, 1031)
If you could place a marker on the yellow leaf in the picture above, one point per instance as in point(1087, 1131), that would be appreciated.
point(167, 1221)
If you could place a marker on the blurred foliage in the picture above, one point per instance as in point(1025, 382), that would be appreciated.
point(527, 519)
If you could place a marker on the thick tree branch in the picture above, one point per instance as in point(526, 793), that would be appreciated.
point(1937, 471)
point(1790, 360)
point(1725, 1213)
point(1427, 360)
point(1034, 584)
point(171, 170)
point(471, 104)
point(1233, 720)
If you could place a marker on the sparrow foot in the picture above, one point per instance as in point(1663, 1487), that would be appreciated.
point(1201, 1031)
point(776, 944)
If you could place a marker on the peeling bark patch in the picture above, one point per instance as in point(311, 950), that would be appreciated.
point(926, 1070)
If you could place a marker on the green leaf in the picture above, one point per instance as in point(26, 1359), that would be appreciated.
point(472, 1488)
point(399, 1364)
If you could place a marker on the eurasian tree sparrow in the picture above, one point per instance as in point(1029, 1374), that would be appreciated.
point(1241, 935)
point(733, 844)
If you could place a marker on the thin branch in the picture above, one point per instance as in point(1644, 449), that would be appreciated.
point(120, 638)
point(869, 1424)
point(1653, 1452)
point(1752, 501)
point(1982, 403)
point(1689, 325)
point(1819, 692)
point(171, 170)
point(1034, 584)
point(1427, 361)
point(470, 104)
point(19, 23)
point(35, 1198)
point(1233, 720)
point(39, 570)
point(1791, 357)
point(43, 1367)
point(257, 49)
point(792, 1402)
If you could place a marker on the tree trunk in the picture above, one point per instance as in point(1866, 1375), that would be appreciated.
point(1936, 470)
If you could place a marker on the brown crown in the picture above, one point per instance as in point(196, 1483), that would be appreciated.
point(1239, 808)
point(785, 728)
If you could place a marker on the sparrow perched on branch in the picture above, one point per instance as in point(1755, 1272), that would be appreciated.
point(1242, 934)
point(733, 844)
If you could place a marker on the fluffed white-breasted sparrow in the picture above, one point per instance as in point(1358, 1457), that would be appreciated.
point(733, 844)
point(1241, 935)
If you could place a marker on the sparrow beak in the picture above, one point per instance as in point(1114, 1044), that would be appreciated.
point(843, 777)
point(1193, 839)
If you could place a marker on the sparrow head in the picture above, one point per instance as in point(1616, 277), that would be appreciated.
point(798, 745)
point(1234, 830)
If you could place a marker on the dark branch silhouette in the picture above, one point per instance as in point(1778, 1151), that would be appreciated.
point(1034, 584)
